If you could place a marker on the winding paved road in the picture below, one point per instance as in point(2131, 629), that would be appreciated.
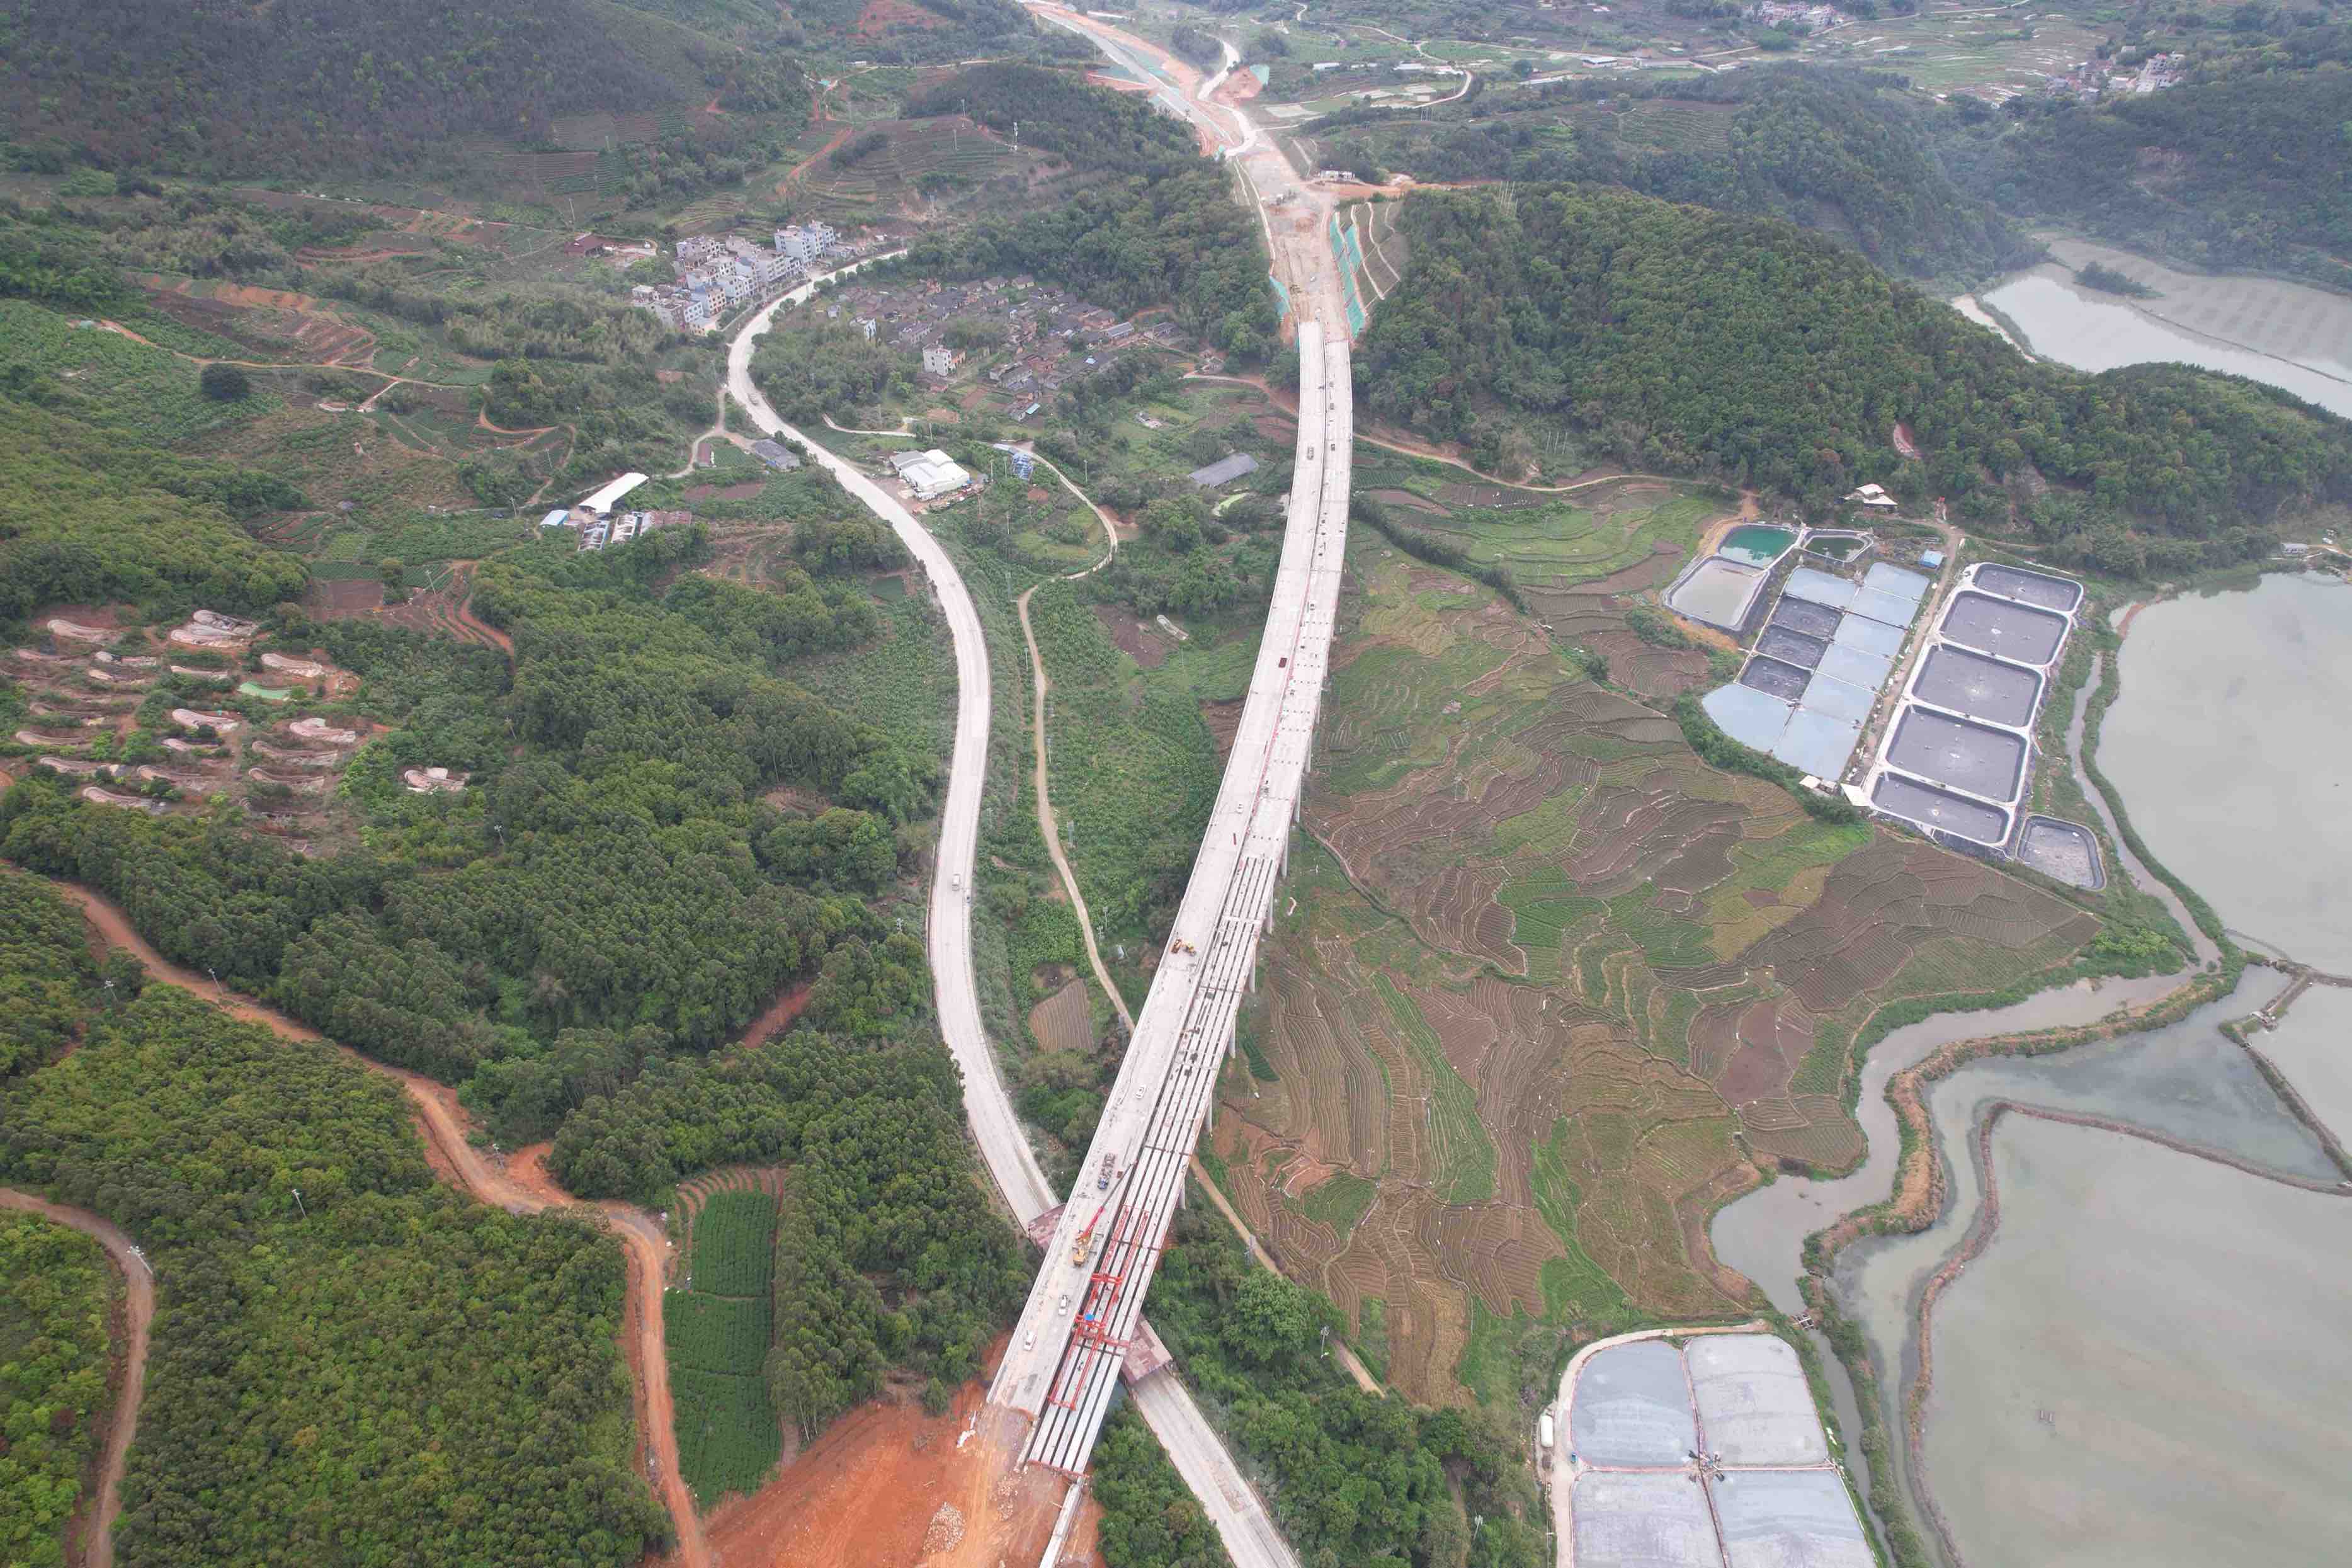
point(1200, 1456)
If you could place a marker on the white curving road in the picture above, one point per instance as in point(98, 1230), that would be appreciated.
point(1226, 1496)
point(1011, 1161)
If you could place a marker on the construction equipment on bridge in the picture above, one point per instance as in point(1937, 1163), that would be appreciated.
point(1086, 1239)
point(1109, 1168)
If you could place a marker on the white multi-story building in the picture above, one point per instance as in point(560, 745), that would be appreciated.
point(939, 359)
point(696, 248)
point(769, 267)
point(806, 243)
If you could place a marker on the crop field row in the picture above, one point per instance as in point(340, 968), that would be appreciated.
point(733, 1248)
point(718, 1330)
point(1661, 125)
point(719, 1333)
point(728, 1439)
point(903, 681)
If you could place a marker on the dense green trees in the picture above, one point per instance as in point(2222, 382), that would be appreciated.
point(808, 368)
point(315, 84)
point(47, 975)
point(90, 517)
point(374, 1370)
point(54, 1290)
point(607, 878)
point(1845, 151)
point(1163, 229)
point(886, 1253)
point(1750, 351)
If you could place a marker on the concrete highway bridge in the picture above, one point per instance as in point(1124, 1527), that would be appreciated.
point(1083, 1322)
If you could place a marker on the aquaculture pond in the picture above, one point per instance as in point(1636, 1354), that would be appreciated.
point(1757, 544)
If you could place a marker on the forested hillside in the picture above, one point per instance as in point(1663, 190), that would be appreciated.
point(55, 1290)
point(1846, 152)
point(604, 888)
point(379, 1372)
point(1162, 226)
point(214, 87)
point(610, 897)
point(1672, 337)
point(90, 516)
point(2252, 171)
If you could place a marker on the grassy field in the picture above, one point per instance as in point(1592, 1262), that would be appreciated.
point(1552, 989)
point(718, 1331)
point(1132, 767)
point(1995, 53)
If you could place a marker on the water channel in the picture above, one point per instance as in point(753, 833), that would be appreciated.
point(2138, 1357)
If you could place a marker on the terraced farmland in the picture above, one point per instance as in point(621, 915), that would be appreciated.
point(718, 1330)
point(1663, 125)
point(882, 182)
point(1553, 989)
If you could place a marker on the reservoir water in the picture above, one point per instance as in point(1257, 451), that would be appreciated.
point(2294, 337)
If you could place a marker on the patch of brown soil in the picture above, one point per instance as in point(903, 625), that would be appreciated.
point(867, 1492)
point(1147, 648)
point(882, 16)
point(1064, 1021)
point(779, 1015)
point(1225, 721)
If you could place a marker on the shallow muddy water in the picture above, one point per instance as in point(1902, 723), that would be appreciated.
point(2146, 1366)
point(2143, 1384)
point(1763, 1234)
point(2231, 746)
point(2010, 1342)
point(2312, 1047)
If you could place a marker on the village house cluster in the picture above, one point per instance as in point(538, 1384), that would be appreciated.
point(1050, 336)
point(2094, 77)
point(716, 274)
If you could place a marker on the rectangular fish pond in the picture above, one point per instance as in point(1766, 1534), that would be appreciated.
point(1756, 544)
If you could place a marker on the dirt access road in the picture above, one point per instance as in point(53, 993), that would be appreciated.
point(90, 1542)
point(518, 1187)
